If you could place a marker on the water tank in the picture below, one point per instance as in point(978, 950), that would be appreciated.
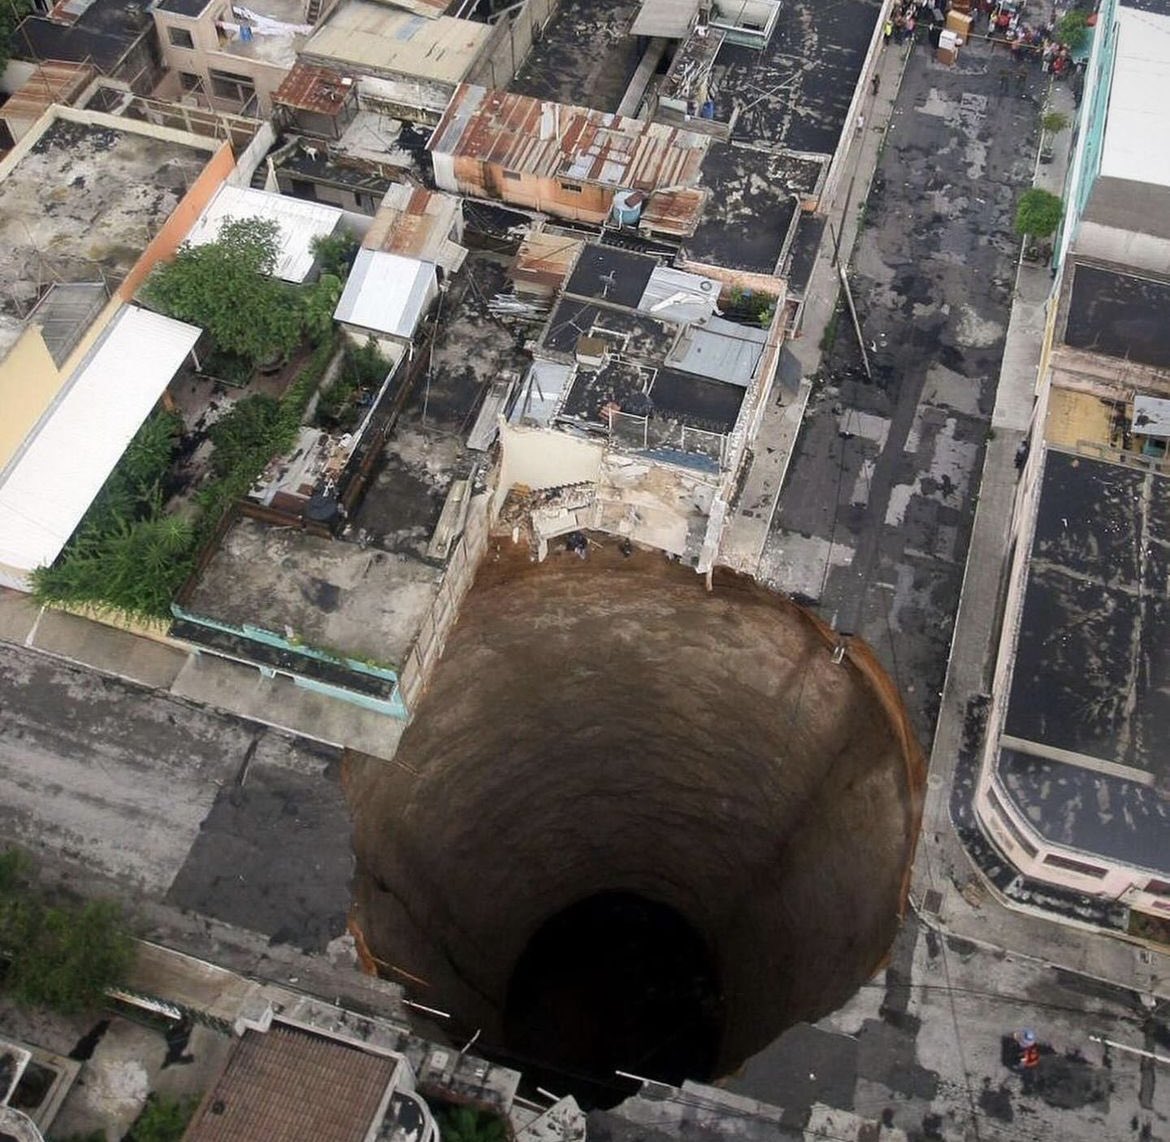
point(627, 207)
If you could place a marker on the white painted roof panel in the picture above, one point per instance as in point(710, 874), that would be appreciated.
point(62, 466)
point(678, 296)
point(1137, 128)
point(299, 221)
point(1151, 416)
point(387, 293)
point(669, 18)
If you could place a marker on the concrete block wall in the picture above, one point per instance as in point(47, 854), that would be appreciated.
point(457, 580)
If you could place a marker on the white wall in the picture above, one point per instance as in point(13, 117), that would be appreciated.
point(542, 458)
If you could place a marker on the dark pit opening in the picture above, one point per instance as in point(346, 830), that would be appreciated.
point(608, 731)
point(615, 982)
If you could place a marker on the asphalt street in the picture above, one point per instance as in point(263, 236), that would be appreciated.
point(873, 522)
point(162, 803)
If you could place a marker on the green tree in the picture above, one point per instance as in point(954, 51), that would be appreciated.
point(227, 288)
point(335, 253)
point(63, 957)
point(1072, 29)
point(1038, 213)
point(1054, 122)
point(163, 1119)
point(318, 302)
point(466, 1124)
point(11, 14)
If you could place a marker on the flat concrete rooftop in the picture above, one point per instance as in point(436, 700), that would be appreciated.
point(332, 596)
point(83, 203)
point(1088, 712)
point(585, 55)
point(1120, 315)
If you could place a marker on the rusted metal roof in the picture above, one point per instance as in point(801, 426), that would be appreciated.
point(284, 1085)
point(317, 89)
point(554, 140)
point(674, 212)
point(417, 223)
point(544, 260)
point(54, 81)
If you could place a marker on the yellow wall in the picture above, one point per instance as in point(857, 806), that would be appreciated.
point(29, 381)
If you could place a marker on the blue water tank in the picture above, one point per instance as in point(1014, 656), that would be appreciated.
point(708, 109)
point(627, 207)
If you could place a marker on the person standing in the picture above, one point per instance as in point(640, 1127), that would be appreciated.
point(888, 31)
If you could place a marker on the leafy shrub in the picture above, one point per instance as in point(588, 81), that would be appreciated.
point(162, 1119)
point(61, 957)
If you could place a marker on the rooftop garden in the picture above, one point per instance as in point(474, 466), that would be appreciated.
point(138, 542)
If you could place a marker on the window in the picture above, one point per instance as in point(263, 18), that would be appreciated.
point(1079, 867)
point(180, 38)
point(571, 187)
point(189, 81)
point(238, 88)
point(512, 176)
point(1158, 887)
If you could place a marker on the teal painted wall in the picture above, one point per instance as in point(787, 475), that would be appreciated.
point(394, 706)
point(1086, 160)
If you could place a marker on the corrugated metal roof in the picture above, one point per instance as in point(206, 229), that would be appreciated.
point(1151, 416)
point(674, 212)
point(669, 18)
point(54, 81)
point(417, 223)
point(679, 296)
point(545, 259)
point(387, 41)
point(717, 356)
point(387, 293)
point(540, 392)
point(52, 480)
point(320, 90)
point(526, 135)
point(285, 1085)
point(299, 221)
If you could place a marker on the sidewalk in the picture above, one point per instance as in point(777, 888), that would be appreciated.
point(747, 531)
point(203, 679)
point(946, 890)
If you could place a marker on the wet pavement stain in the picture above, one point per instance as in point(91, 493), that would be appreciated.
point(931, 276)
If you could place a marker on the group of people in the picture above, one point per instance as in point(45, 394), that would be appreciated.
point(905, 20)
point(1028, 42)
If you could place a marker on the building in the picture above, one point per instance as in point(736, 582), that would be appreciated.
point(231, 57)
point(124, 194)
point(411, 61)
point(54, 81)
point(289, 1083)
point(647, 381)
point(418, 223)
point(1074, 790)
point(568, 161)
point(386, 296)
point(115, 38)
point(299, 224)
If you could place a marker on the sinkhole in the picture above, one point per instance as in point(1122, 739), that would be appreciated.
point(636, 824)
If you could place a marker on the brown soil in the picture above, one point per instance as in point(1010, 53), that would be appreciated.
point(610, 726)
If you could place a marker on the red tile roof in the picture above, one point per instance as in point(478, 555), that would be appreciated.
point(286, 1085)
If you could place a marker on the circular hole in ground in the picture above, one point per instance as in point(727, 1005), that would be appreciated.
point(607, 731)
point(612, 983)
